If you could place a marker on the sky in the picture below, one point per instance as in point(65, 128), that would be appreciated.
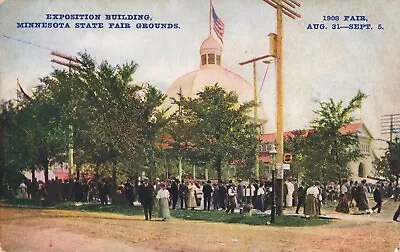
point(318, 64)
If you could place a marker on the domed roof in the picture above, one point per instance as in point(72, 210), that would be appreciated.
point(192, 83)
point(210, 45)
point(210, 73)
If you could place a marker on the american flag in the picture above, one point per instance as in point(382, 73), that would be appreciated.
point(218, 25)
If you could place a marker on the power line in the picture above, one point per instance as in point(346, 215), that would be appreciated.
point(27, 42)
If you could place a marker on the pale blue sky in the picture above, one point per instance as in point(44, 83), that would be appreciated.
point(318, 64)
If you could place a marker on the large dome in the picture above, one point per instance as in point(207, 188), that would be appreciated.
point(210, 73)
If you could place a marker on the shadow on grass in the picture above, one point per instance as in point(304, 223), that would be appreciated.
point(220, 216)
point(211, 216)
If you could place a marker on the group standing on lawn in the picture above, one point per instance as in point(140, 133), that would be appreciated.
point(216, 196)
point(228, 196)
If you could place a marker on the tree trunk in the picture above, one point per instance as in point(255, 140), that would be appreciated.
point(46, 170)
point(33, 173)
point(78, 173)
point(2, 186)
point(114, 174)
point(218, 165)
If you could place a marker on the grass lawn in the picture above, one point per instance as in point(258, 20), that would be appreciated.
point(212, 216)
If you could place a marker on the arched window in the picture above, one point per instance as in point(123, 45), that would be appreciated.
point(361, 170)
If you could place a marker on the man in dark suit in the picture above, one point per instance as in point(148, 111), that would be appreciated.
point(174, 191)
point(207, 190)
point(377, 198)
point(128, 189)
point(183, 193)
point(146, 193)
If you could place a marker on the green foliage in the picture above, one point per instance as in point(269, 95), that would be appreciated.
point(214, 128)
point(323, 152)
point(392, 160)
point(114, 121)
point(217, 216)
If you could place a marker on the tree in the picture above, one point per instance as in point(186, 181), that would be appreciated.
point(296, 145)
point(16, 153)
point(393, 159)
point(327, 150)
point(218, 129)
point(113, 119)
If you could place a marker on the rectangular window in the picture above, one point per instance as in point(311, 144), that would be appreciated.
point(218, 60)
point(211, 59)
point(203, 59)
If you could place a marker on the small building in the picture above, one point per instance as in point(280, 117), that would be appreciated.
point(363, 168)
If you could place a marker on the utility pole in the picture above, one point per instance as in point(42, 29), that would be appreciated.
point(256, 103)
point(390, 124)
point(257, 165)
point(72, 63)
point(282, 7)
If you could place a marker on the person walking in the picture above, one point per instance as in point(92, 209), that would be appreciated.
point(207, 190)
point(362, 194)
point(377, 198)
point(343, 205)
point(301, 198)
point(313, 194)
point(146, 193)
point(397, 214)
point(163, 202)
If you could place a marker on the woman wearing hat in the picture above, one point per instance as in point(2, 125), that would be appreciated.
point(163, 201)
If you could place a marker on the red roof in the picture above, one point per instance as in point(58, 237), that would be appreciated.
point(349, 128)
point(270, 137)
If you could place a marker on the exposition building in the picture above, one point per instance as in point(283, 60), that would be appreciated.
point(210, 72)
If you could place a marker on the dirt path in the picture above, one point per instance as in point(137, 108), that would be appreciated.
point(55, 230)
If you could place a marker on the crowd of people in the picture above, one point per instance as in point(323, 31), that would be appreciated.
point(215, 196)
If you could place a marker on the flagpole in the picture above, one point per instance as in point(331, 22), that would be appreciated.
point(210, 18)
point(17, 88)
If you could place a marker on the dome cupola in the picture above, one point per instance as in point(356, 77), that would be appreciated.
point(210, 53)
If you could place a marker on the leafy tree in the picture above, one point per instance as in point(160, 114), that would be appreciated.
point(218, 128)
point(113, 119)
point(393, 160)
point(328, 150)
point(15, 148)
point(296, 144)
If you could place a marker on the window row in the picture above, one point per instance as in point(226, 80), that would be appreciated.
point(210, 59)
point(364, 148)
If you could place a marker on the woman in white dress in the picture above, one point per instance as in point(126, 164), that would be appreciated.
point(163, 202)
point(192, 197)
